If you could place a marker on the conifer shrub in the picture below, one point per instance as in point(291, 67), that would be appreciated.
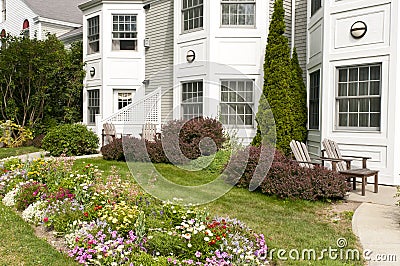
point(71, 140)
point(286, 178)
point(282, 111)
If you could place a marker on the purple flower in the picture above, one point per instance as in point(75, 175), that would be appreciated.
point(198, 254)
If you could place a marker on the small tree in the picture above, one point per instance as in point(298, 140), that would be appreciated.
point(40, 81)
point(282, 91)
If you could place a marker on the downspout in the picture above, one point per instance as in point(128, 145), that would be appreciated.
point(293, 25)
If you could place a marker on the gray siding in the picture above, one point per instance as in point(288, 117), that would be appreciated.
point(314, 143)
point(160, 55)
point(300, 40)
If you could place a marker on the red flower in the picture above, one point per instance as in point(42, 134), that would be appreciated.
point(45, 219)
point(86, 214)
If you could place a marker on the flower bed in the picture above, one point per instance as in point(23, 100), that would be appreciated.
point(108, 221)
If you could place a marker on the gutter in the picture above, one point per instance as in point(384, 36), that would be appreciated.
point(293, 26)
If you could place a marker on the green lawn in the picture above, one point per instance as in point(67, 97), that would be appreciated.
point(8, 152)
point(20, 246)
point(286, 224)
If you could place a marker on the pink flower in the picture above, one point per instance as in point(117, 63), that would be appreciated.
point(45, 219)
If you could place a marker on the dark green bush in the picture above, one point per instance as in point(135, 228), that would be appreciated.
point(70, 139)
point(285, 178)
point(38, 140)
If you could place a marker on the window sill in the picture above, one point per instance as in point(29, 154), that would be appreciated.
point(191, 31)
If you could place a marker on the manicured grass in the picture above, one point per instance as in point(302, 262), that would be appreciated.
point(8, 152)
point(286, 224)
point(20, 246)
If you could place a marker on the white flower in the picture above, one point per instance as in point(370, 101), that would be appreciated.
point(206, 239)
point(9, 198)
point(34, 214)
point(189, 245)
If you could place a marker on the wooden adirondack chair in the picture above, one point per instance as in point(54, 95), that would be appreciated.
point(108, 133)
point(331, 148)
point(149, 131)
point(300, 152)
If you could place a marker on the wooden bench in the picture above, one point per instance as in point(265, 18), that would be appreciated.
point(363, 173)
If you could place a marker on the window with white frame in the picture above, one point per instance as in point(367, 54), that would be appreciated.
point(93, 35)
point(192, 99)
point(313, 104)
point(124, 98)
point(124, 35)
point(192, 14)
point(3, 10)
point(238, 12)
point(237, 100)
point(315, 6)
point(93, 105)
point(358, 99)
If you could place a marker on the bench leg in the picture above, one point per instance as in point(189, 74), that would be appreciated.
point(354, 183)
point(364, 181)
point(376, 183)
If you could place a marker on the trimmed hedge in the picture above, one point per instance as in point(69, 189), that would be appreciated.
point(70, 139)
point(285, 178)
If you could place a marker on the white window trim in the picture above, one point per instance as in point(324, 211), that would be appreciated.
point(195, 103)
point(124, 39)
point(336, 104)
point(115, 95)
point(251, 104)
point(89, 50)
point(183, 31)
point(254, 2)
point(89, 106)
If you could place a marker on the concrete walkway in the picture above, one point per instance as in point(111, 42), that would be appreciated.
point(35, 155)
point(377, 224)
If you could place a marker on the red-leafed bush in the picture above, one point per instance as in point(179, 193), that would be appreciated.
point(181, 141)
point(285, 178)
point(187, 140)
point(113, 151)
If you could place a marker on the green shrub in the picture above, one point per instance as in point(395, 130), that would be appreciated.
point(70, 139)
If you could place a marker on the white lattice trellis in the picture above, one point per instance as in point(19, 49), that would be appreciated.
point(145, 110)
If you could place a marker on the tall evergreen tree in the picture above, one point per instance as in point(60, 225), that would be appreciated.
point(299, 96)
point(282, 98)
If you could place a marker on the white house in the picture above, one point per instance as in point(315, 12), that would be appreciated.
point(353, 73)
point(153, 61)
point(178, 59)
point(38, 18)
